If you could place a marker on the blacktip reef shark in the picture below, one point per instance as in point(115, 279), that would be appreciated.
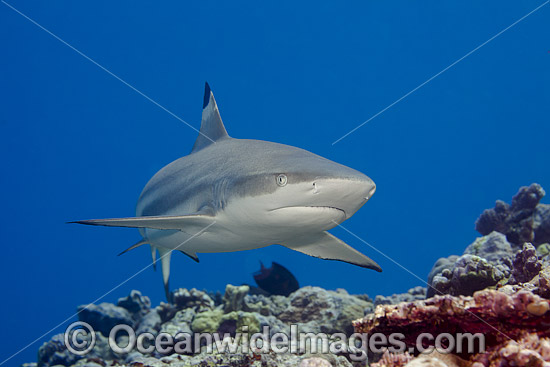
point(238, 194)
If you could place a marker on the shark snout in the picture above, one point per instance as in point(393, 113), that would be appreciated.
point(347, 194)
point(371, 186)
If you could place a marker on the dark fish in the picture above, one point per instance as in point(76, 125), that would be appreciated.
point(276, 279)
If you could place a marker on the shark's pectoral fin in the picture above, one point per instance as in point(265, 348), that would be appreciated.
point(325, 246)
point(165, 255)
point(180, 222)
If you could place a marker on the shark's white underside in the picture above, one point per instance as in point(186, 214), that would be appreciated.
point(235, 229)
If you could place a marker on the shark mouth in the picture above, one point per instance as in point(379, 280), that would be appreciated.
point(321, 208)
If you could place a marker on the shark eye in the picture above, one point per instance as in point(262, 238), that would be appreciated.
point(281, 180)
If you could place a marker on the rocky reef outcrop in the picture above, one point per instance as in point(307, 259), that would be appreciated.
point(524, 220)
point(514, 242)
point(413, 294)
point(498, 315)
point(514, 327)
point(310, 309)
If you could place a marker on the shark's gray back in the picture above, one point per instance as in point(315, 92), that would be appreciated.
point(226, 169)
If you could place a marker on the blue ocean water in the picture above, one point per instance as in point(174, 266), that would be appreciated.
point(79, 143)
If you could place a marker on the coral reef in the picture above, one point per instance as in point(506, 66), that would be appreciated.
point(542, 224)
point(504, 315)
point(541, 282)
point(440, 265)
point(265, 305)
point(435, 359)
point(488, 262)
point(104, 317)
point(470, 273)
point(498, 316)
point(312, 309)
point(323, 311)
point(389, 359)
point(530, 349)
point(493, 247)
point(484, 263)
point(195, 299)
point(234, 297)
point(526, 265)
point(135, 303)
point(413, 294)
point(55, 353)
point(522, 221)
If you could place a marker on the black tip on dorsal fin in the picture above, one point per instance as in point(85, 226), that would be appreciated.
point(212, 128)
point(207, 92)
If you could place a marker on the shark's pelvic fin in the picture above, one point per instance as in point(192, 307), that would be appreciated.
point(165, 255)
point(212, 128)
point(325, 246)
point(136, 245)
point(187, 222)
point(192, 255)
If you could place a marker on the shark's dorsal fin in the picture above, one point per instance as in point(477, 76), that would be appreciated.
point(212, 128)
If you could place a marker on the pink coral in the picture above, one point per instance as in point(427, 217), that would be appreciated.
point(393, 360)
point(315, 362)
point(499, 316)
point(529, 350)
